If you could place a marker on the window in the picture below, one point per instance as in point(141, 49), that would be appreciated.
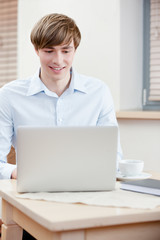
point(151, 67)
point(8, 41)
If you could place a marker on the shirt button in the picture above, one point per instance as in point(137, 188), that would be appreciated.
point(60, 120)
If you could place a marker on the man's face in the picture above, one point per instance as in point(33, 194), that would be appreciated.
point(56, 62)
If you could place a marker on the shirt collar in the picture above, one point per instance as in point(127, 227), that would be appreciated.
point(77, 82)
point(36, 85)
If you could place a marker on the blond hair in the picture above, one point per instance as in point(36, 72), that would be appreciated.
point(53, 30)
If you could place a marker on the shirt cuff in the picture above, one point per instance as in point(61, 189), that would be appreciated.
point(6, 170)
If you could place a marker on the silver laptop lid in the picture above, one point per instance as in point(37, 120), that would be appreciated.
point(66, 158)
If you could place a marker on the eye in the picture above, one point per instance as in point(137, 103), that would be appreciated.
point(48, 51)
point(66, 51)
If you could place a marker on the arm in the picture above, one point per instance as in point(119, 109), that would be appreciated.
point(6, 133)
point(107, 117)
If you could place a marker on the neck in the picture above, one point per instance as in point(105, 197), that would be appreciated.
point(56, 85)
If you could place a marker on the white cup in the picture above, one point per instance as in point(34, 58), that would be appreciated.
point(131, 167)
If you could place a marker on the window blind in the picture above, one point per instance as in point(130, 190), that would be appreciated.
point(8, 41)
point(154, 84)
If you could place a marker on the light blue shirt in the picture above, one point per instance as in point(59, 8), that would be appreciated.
point(87, 102)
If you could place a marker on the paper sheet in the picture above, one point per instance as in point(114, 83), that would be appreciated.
point(116, 198)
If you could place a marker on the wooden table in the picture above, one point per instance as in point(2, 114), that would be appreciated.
point(58, 221)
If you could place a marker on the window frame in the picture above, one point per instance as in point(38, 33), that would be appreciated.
point(146, 103)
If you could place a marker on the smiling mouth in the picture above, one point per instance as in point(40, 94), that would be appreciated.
point(57, 68)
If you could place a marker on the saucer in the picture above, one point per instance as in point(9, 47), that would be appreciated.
point(143, 175)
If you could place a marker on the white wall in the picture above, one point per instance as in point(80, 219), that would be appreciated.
point(140, 140)
point(111, 49)
point(131, 53)
point(99, 24)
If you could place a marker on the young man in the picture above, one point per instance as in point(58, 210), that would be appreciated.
point(56, 95)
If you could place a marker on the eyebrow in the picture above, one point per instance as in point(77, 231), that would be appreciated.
point(65, 47)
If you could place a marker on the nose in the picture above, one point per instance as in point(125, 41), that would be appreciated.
point(57, 58)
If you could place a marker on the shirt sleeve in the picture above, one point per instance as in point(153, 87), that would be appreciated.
point(6, 133)
point(107, 117)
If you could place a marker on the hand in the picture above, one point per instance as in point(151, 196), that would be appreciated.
point(14, 174)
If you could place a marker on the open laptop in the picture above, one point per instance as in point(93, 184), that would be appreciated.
point(66, 158)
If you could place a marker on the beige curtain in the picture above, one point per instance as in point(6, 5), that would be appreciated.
point(154, 93)
point(8, 41)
